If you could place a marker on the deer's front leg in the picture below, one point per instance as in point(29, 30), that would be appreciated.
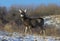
point(26, 29)
point(30, 30)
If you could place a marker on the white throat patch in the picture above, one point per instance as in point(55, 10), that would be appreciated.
point(22, 15)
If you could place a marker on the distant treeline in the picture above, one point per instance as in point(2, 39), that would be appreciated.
point(12, 13)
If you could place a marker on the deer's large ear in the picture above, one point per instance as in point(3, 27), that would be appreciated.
point(25, 10)
point(20, 11)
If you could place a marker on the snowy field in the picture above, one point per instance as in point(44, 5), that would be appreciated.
point(30, 38)
point(19, 37)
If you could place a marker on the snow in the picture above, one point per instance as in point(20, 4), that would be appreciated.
point(54, 21)
point(28, 38)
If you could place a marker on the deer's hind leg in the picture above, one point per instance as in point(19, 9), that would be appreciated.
point(42, 31)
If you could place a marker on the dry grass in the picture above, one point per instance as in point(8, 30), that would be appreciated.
point(49, 31)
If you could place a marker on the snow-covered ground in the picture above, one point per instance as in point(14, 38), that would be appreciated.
point(30, 38)
point(19, 37)
point(52, 20)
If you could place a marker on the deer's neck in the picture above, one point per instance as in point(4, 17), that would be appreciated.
point(24, 18)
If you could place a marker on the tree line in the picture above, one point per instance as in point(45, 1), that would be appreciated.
point(12, 13)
